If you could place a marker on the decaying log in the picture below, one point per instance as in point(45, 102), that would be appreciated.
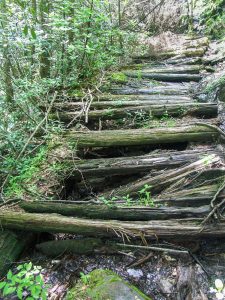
point(145, 90)
point(188, 228)
point(164, 76)
point(190, 197)
point(168, 177)
point(175, 110)
point(77, 246)
point(11, 246)
point(123, 213)
point(114, 138)
point(135, 164)
point(145, 68)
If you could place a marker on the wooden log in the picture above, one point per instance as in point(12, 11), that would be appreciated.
point(181, 53)
point(114, 138)
point(143, 69)
point(202, 110)
point(168, 177)
point(11, 246)
point(181, 61)
point(192, 197)
point(78, 246)
point(188, 228)
point(164, 76)
point(123, 213)
point(136, 164)
point(145, 90)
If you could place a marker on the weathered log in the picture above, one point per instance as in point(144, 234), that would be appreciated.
point(104, 284)
point(175, 110)
point(11, 246)
point(181, 53)
point(188, 228)
point(164, 76)
point(77, 246)
point(123, 213)
point(114, 138)
point(136, 164)
point(194, 197)
point(168, 177)
point(143, 69)
point(162, 90)
point(186, 61)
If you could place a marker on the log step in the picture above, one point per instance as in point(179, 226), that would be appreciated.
point(114, 138)
point(188, 229)
point(164, 76)
point(200, 110)
point(137, 164)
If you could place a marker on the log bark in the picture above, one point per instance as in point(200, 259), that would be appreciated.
point(175, 110)
point(145, 90)
point(164, 76)
point(11, 246)
point(114, 138)
point(145, 68)
point(79, 246)
point(194, 197)
point(136, 164)
point(168, 177)
point(187, 229)
point(123, 213)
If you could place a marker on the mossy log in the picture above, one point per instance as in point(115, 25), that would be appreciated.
point(180, 53)
point(175, 110)
point(136, 164)
point(168, 177)
point(187, 228)
point(144, 90)
point(186, 61)
point(105, 285)
point(76, 246)
point(123, 213)
point(114, 138)
point(189, 69)
point(164, 76)
point(11, 246)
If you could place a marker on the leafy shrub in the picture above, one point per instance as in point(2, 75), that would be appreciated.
point(27, 283)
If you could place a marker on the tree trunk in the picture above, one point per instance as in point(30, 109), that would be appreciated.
point(187, 229)
point(115, 138)
point(45, 55)
point(9, 92)
point(123, 213)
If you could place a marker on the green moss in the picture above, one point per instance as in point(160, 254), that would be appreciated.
point(217, 83)
point(119, 77)
point(105, 285)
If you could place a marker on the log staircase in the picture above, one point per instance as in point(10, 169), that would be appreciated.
point(151, 161)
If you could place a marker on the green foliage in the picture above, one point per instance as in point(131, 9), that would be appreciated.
point(27, 283)
point(119, 77)
point(84, 278)
point(145, 196)
point(213, 18)
point(27, 169)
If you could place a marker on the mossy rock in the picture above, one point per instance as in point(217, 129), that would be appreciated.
point(105, 285)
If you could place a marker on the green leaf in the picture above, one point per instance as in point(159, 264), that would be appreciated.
point(44, 295)
point(25, 30)
point(33, 33)
point(29, 266)
point(9, 275)
point(8, 290)
point(20, 293)
point(2, 284)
